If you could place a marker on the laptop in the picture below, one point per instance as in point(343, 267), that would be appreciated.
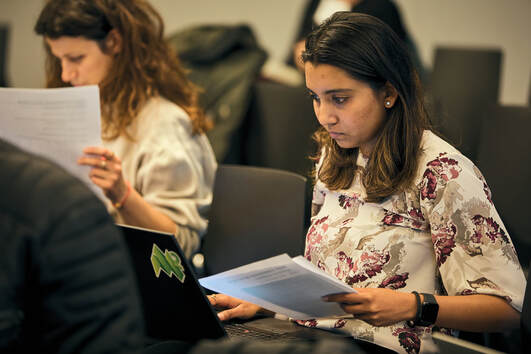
point(175, 306)
point(448, 344)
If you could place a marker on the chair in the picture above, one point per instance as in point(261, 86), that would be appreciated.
point(278, 130)
point(463, 82)
point(256, 213)
point(281, 122)
point(503, 158)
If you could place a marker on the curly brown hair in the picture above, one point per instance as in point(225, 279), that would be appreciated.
point(145, 67)
point(369, 51)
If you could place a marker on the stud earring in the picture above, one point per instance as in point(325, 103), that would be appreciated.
point(387, 103)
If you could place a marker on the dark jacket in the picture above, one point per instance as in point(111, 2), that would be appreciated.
point(224, 60)
point(66, 284)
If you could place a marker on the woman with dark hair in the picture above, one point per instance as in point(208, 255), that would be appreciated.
point(156, 166)
point(397, 213)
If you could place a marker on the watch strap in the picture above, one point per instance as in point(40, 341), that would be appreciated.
point(412, 323)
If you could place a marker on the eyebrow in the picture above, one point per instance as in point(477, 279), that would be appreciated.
point(327, 92)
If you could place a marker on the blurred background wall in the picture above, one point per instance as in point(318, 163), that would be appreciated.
point(471, 23)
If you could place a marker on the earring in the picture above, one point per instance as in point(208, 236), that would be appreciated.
point(387, 103)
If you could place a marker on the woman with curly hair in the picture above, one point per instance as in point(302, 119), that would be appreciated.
point(398, 213)
point(156, 166)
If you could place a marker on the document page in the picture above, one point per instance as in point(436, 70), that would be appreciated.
point(281, 284)
point(54, 123)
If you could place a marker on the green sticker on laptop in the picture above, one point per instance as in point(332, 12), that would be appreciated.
point(167, 261)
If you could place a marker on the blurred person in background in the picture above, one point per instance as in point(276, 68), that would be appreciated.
point(156, 166)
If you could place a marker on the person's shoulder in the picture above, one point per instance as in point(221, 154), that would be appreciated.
point(164, 109)
point(37, 191)
point(433, 146)
point(438, 155)
point(159, 113)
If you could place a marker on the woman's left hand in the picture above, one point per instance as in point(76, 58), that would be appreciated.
point(377, 306)
point(106, 171)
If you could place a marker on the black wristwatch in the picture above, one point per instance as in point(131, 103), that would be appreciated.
point(426, 311)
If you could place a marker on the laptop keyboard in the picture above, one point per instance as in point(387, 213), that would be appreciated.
point(239, 330)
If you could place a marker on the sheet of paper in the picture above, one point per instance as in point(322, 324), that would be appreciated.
point(282, 285)
point(54, 123)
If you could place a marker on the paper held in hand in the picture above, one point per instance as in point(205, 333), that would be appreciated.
point(55, 123)
point(288, 286)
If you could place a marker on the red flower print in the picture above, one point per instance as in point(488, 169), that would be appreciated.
point(443, 167)
point(346, 202)
point(392, 219)
point(344, 266)
point(428, 191)
point(366, 266)
point(468, 292)
point(340, 323)
point(308, 323)
point(444, 243)
point(395, 282)
point(417, 217)
point(408, 338)
point(409, 341)
point(416, 213)
point(487, 227)
point(315, 235)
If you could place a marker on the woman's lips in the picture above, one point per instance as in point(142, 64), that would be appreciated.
point(335, 135)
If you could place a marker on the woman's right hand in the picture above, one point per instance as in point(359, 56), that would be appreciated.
point(235, 308)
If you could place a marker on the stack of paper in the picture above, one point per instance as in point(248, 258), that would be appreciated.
point(289, 286)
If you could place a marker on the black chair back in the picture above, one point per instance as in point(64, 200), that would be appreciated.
point(504, 156)
point(463, 82)
point(256, 213)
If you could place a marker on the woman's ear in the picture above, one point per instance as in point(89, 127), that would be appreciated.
point(390, 95)
point(113, 42)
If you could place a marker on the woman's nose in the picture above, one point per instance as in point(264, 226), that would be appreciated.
point(67, 72)
point(325, 115)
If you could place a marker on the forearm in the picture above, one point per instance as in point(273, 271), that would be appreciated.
point(476, 313)
point(137, 212)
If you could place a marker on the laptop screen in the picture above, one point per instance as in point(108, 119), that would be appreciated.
point(174, 304)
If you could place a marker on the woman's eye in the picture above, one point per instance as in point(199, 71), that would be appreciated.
point(314, 97)
point(339, 100)
point(76, 59)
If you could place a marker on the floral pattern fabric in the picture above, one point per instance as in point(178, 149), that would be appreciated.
point(442, 236)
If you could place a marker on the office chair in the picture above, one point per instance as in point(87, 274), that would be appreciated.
point(503, 158)
point(281, 122)
point(278, 129)
point(256, 213)
point(463, 82)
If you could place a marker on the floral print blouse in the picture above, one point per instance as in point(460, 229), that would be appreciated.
point(443, 236)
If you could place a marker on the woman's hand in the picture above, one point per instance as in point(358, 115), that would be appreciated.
point(236, 308)
point(376, 306)
point(106, 172)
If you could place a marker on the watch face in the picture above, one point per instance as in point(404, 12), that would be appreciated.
point(429, 312)
point(430, 309)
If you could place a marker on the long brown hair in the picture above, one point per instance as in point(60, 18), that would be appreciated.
point(369, 51)
point(145, 67)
